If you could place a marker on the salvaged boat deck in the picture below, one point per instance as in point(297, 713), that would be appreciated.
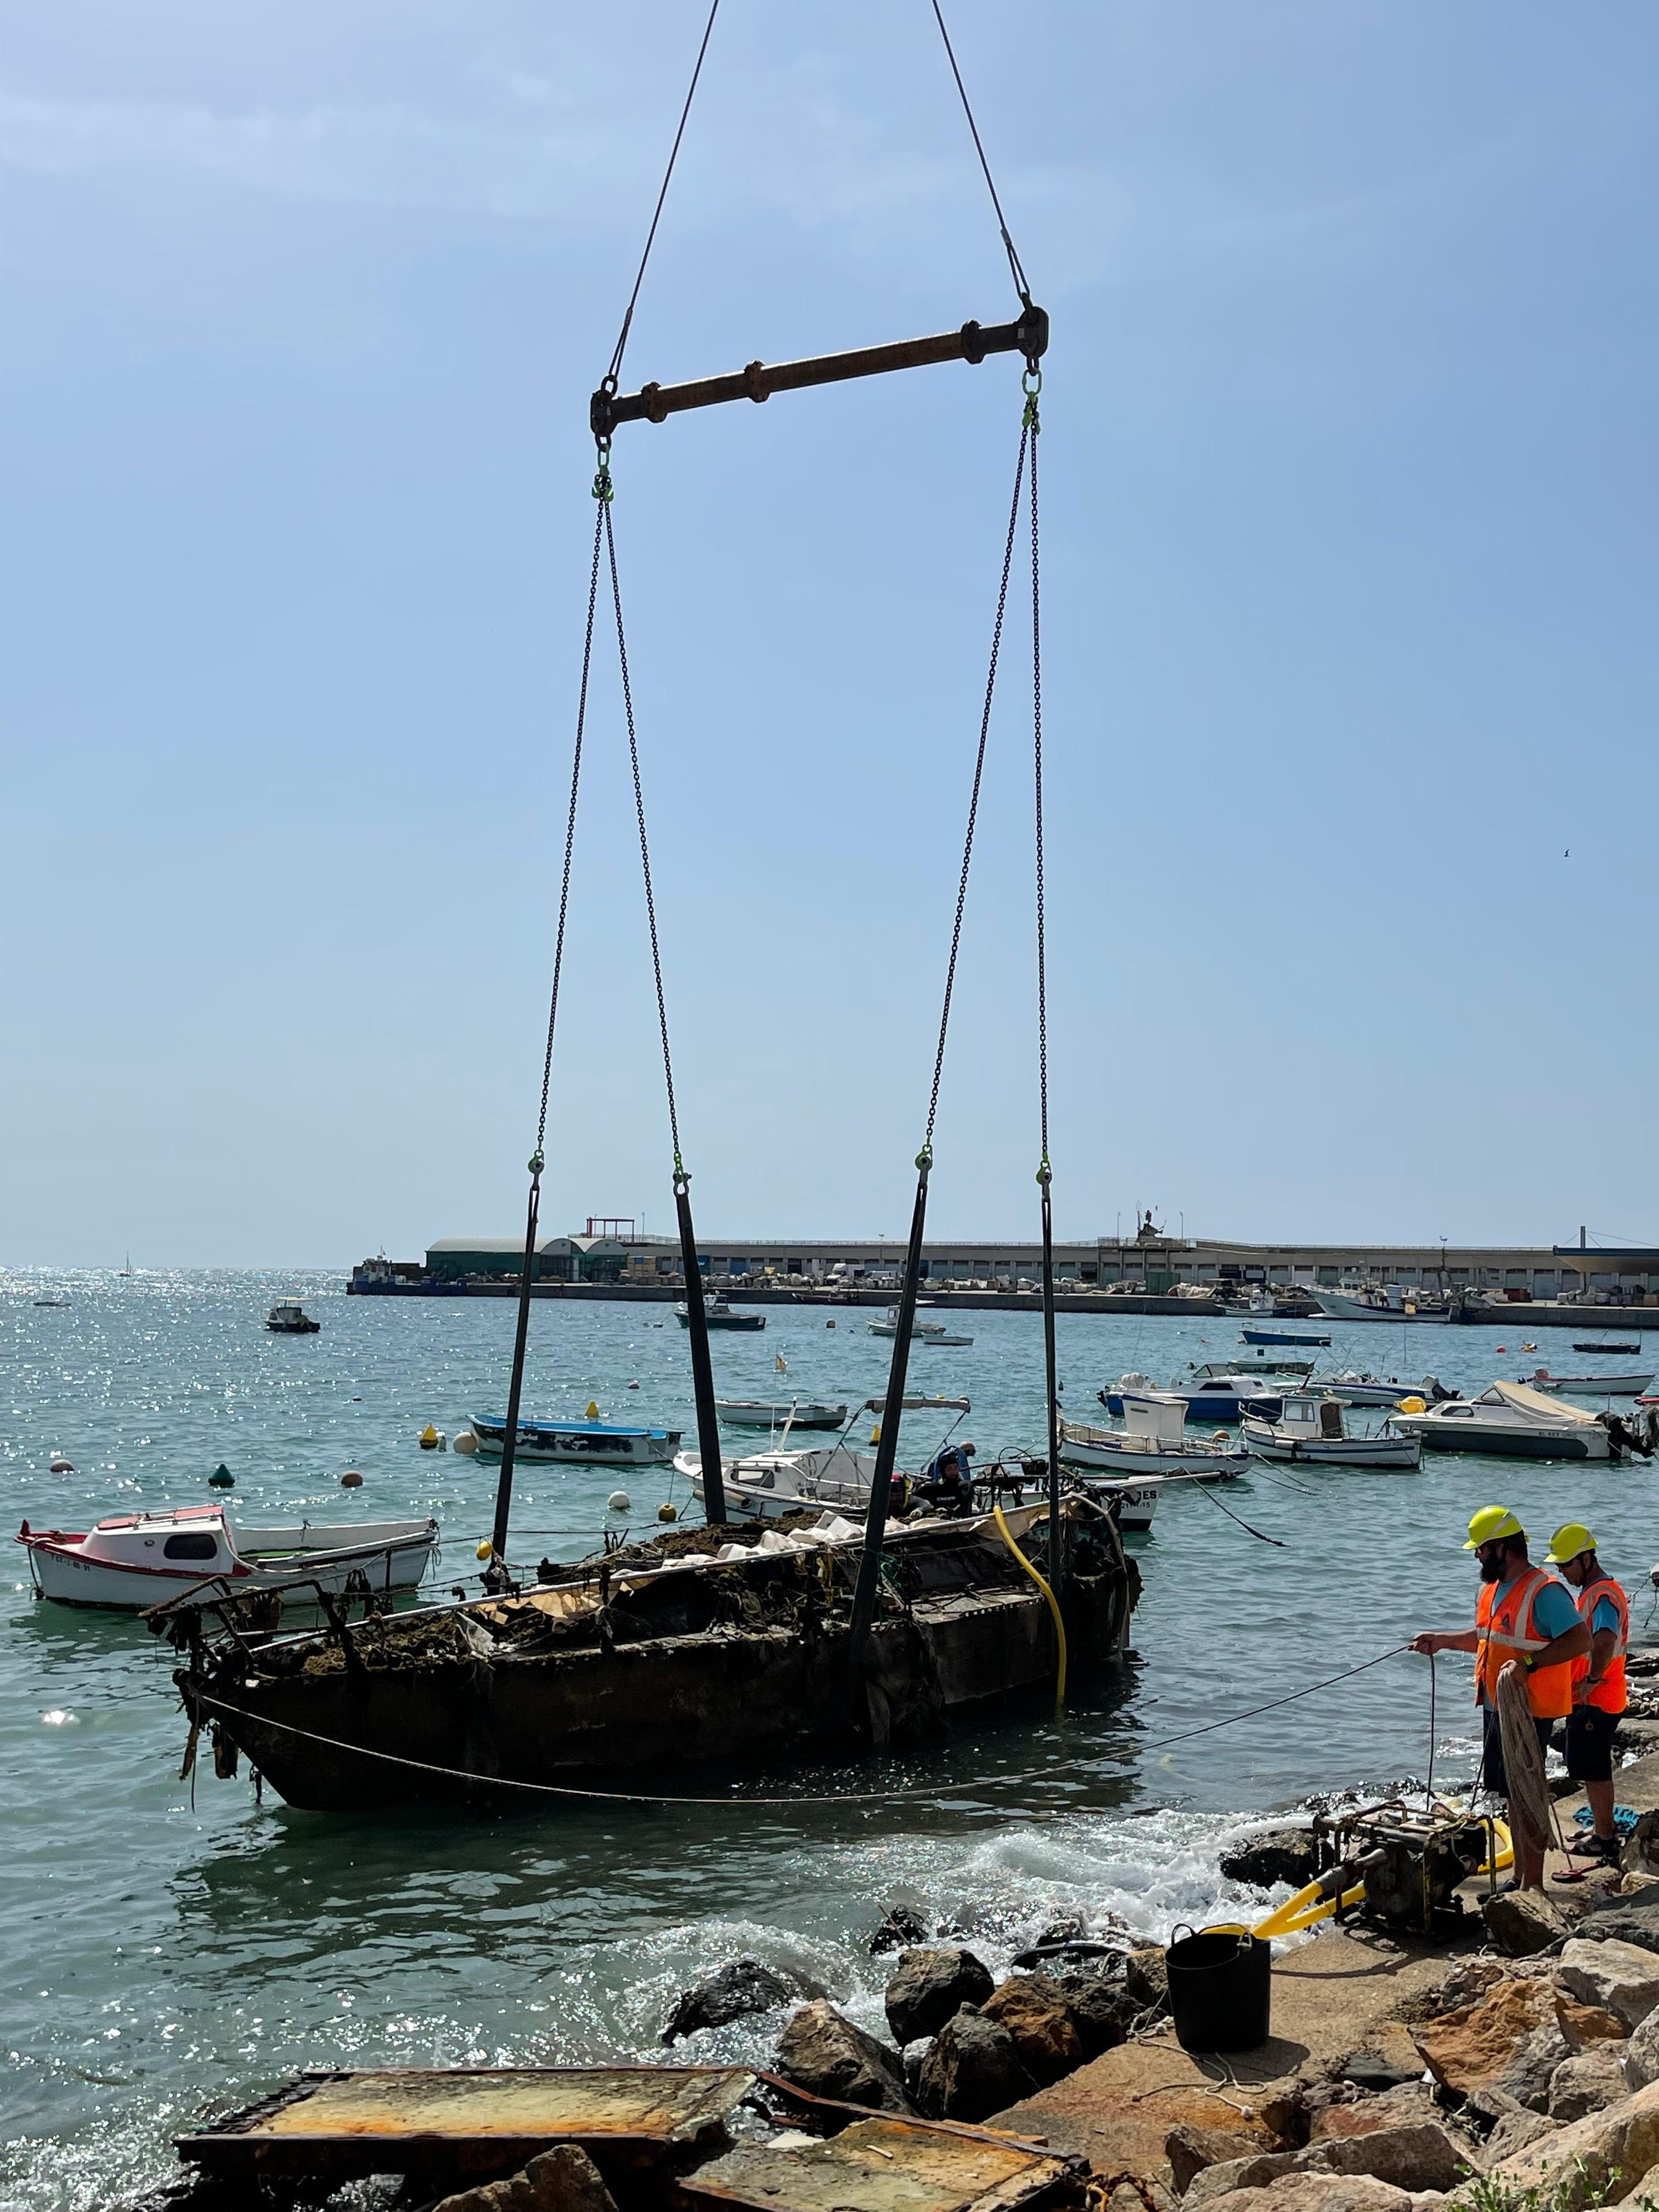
point(665, 2139)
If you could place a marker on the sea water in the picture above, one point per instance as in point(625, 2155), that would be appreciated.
point(170, 1948)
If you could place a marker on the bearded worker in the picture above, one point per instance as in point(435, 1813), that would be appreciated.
point(1598, 1680)
point(1522, 1614)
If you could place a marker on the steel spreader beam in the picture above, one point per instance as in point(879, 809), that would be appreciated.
point(655, 402)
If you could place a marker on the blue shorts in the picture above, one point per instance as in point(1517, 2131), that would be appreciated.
point(1492, 1749)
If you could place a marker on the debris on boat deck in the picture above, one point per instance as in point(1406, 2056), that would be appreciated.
point(662, 2139)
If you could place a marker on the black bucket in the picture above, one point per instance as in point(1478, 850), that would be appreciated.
point(1221, 1989)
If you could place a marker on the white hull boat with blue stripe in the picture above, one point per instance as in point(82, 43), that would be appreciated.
point(588, 1443)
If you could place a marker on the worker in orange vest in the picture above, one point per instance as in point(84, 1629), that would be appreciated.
point(1522, 1614)
point(1598, 1680)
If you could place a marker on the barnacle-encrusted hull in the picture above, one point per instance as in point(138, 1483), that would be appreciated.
point(617, 1679)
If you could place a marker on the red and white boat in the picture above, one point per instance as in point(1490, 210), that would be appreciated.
point(135, 1560)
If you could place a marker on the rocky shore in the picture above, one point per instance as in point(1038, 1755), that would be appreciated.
point(1518, 2067)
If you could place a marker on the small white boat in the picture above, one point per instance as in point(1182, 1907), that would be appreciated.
point(1589, 1386)
point(922, 1332)
point(1152, 1441)
point(287, 1317)
point(1310, 1432)
point(1368, 1389)
point(1512, 1420)
point(761, 1413)
point(765, 1486)
point(611, 1443)
point(717, 1314)
point(134, 1560)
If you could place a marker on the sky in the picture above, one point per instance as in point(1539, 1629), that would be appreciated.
point(1349, 517)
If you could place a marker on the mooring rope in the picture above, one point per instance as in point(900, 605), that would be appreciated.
point(922, 1790)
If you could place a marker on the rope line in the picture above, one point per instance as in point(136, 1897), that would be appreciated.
point(1017, 272)
point(614, 372)
point(979, 777)
point(645, 848)
point(933, 1791)
point(569, 831)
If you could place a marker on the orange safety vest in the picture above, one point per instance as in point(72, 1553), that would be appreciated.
point(1507, 1630)
point(1609, 1691)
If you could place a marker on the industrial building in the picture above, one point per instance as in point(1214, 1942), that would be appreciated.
point(612, 1251)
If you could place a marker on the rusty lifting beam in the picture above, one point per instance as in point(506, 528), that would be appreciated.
point(655, 402)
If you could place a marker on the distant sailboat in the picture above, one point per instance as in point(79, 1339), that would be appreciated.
point(127, 1270)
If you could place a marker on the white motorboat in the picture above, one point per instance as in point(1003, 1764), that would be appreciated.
point(1152, 1441)
point(287, 1317)
point(1208, 1397)
point(609, 1443)
point(922, 1332)
point(765, 1414)
point(1512, 1420)
point(1310, 1432)
point(1589, 1386)
point(765, 1486)
point(131, 1561)
point(1368, 1389)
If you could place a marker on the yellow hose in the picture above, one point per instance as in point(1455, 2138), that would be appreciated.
point(1313, 1904)
point(1054, 1605)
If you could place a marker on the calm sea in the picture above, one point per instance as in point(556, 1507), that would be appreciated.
point(166, 1953)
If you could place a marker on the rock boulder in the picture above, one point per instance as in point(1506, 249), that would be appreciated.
point(1523, 1921)
point(718, 1998)
point(1271, 1855)
point(1190, 2150)
point(823, 2052)
point(1639, 2058)
point(1514, 2132)
point(562, 2180)
point(1589, 2082)
point(899, 1927)
point(1623, 1979)
point(1147, 1976)
point(972, 2071)
point(1601, 2158)
point(1473, 2045)
point(1314, 2193)
point(1038, 2015)
point(1102, 2010)
point(929, 1986)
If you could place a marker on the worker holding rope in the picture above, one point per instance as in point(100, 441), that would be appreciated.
point(1598, 1681)
point(1526, 1616)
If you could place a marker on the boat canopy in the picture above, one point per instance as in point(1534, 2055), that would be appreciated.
point(1525, 1400)
point(1155, 1413)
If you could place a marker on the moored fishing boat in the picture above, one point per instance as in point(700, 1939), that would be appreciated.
point(935, 1333)
point(718, 1314)
point(612, 1443)
point(134, 1560)
point(645, 1661)
point(770, 1413)
point(287, 1317)
point(1312, 1432)
point(1152, 1441)
point(1589, 1386)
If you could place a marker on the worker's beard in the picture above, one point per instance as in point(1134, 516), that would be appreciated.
point(1492, 1570)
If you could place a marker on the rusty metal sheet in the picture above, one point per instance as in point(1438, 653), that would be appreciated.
point(883, 2165)
point(471, 2119)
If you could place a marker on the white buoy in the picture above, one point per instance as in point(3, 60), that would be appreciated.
point(466, 1442)
point(60, 1465)
point(619, 1502)
point(633, 1386)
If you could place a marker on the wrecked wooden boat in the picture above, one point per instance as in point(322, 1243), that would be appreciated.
point(719, 1648)
point(659, 2137)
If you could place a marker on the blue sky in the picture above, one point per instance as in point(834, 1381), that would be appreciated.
point(1350, 504)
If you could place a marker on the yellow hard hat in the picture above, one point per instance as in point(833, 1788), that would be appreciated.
point(1568, 1541)
point(1491, 1522)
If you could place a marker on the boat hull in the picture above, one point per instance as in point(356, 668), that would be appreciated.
point(67, 1579)
point(579, 1444)
point(1588, 1441)
point(1344, 1451)
point(1140, 1459)
point(751, 1413)
point(620, 1715)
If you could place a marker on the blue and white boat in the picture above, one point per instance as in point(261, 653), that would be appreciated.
point(605, 1443)
point(1281, 1336)
point(1208, 1398)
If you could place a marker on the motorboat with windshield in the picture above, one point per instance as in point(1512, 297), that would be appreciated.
point(1512, 1420)
point(1208, 1397)
point(131, 1561)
